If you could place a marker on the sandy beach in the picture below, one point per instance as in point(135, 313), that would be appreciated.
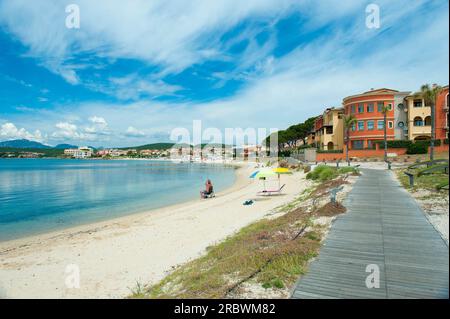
point(113, 256)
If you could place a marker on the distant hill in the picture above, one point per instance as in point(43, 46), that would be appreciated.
point(64, 146)
point(47, 152)
point(154, 146)
point(24, 144)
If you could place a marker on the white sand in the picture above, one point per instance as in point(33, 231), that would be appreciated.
point(113, 255)
point(436, 210)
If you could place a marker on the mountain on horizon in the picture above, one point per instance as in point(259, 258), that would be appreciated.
point(65, 146)
point(23, 143)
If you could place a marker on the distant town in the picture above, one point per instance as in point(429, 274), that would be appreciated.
point(151, 151)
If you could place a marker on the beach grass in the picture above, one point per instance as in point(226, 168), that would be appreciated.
point(271, 253)
point(325, 173)
point(428, 182)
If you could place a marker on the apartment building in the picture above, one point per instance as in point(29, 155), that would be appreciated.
point(407, 118)
point(367, 108)
point(329, 129)
point(318, 124)
point(442, 116)
point(419, 117)
point(311, 139)
point(81, 152)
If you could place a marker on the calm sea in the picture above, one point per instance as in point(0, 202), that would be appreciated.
point(41, 195)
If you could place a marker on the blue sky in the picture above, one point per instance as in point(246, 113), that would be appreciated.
point(135, 71)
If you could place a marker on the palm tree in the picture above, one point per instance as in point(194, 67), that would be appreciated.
point(348, 123)
point(429, 95)
point(385, 110)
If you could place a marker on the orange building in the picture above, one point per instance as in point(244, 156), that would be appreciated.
point(441, 113)
point(367, 109)
point(316, 137)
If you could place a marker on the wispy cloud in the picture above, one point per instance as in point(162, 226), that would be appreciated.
point(154, 31)
point(332, 55)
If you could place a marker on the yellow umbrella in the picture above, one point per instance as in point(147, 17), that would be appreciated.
point(282, 170)
point(279, 171)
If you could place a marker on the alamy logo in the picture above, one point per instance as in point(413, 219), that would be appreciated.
point(373, 280)
point(73, 17)
point(73, 276)
point(373, 16)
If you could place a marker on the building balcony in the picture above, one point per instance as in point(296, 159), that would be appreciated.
point(420, 130)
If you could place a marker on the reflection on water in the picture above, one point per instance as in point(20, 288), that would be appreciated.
point(42, 195)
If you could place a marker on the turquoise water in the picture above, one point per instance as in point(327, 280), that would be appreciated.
point(41, 195)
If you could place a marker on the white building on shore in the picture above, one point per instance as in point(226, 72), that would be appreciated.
point(81, 152)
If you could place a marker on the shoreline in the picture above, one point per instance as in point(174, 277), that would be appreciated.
point(102, 223)
point(116, 254)
point(73, 228)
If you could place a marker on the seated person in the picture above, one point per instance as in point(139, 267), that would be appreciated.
point(208, 189)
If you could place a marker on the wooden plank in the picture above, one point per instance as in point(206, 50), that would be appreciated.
point(383, 226)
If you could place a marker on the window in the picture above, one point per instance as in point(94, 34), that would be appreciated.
point(418, 121)
point(329, 130)
point(390, 124)
point(353, 126)
point(360, 125)
point(389, 106)
point(370, 125)
point(357, 145)
point(361, 108)
point(417, 103)
point(428, 121)
point(370, 107)
point(380, 125)
point(370, 144)
point(353, 109)
point(380, 106)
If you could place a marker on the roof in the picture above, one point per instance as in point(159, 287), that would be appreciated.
point(373, 92)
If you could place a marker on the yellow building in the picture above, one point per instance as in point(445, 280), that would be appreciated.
point(418, 117)
point(330, 130)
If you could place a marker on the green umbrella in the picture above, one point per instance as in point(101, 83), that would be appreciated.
point(264, 174)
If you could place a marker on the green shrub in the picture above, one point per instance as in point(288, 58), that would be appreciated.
point(328, 174)
point(427, 143)
point(395, 144)
point(325, 173)
point(446, 141)
point(417, 148)
point(441, 185)
point(322, 173)
point(348, 170)
point(277, 283)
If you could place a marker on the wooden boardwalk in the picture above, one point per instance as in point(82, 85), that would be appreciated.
point(383, 226)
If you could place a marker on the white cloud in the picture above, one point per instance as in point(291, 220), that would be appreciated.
point(97, 131)
point(134, 132)
point(132, 87)
point(152, 31)
point(98, 120)
point(67, 131)
point(10, 131)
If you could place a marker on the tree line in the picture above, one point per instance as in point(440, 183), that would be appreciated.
point(292, 135)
